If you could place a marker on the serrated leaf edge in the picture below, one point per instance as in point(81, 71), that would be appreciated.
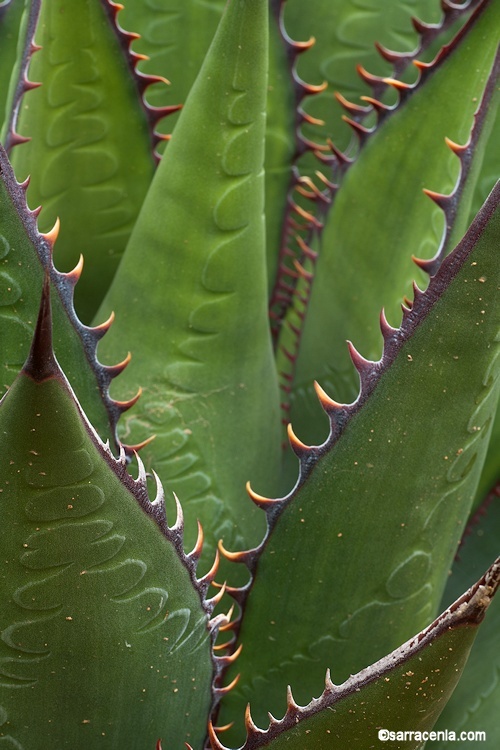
point(369, 372)
point(305, 227)
point(468, 609)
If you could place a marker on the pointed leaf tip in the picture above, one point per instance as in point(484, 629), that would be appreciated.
point(41, 363)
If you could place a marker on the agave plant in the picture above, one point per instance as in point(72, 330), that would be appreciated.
point(306, 195)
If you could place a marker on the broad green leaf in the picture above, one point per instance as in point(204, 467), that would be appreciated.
point(369, 532)
point(380, 217)
point(474, 704)
point(195, 317)
point(106, 634)
point(90, 156)
point(395, 701)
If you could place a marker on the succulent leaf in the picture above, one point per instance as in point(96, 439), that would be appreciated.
point(403, 692)
point(102, 608)
point(200, 244)
point(175, 36)
point(491, 160)
point(282, 217)
point(384, 186)
point(89, 130)
point(368, 482)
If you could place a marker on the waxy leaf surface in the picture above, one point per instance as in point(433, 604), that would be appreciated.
point(106, 636)
point(204, 363)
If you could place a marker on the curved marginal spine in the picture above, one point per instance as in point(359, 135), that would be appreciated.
point(301, 89)
point(356, 115)
point(90, 337)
